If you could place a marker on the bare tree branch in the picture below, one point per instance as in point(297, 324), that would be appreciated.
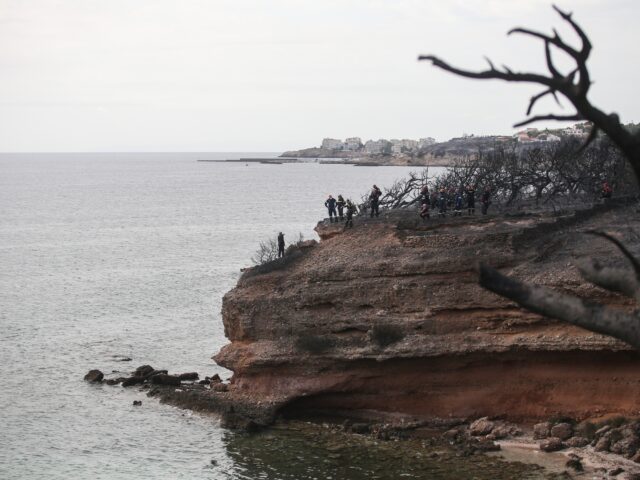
point(632, 259)
point(576, 311)
point(613, 279)
point(574, 91)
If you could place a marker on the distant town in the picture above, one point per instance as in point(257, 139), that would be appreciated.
point(426, 151)
point(397, 147)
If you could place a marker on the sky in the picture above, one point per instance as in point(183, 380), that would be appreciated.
point(252, 75)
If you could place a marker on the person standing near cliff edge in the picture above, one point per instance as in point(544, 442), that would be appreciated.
point(330, 203)
point(280, 245)
point(340, 203)
point(374, 200)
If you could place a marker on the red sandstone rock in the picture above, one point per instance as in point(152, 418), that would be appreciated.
point(464, 352)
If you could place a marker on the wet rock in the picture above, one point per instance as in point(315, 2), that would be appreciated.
point(143, 371)
point(552, 444)
point(215, 379)
point(577, 442)
point(486, 445)
point(204, 382)
point(504, 431)
point(481, 426)
point(164, 379)
point(156, 372)
point(575, 464)
point(563, 431)
point(220, 387)
point(137, 403)
point(94, 376)
point(541, 430)
point(189, 376)
point(131, 381)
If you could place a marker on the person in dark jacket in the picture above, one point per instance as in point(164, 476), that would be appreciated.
point(486, 200)
point(280, 245)
point(457, 204)
point(471, 200)
point(330, 203)
point(351, 209)
point(340, 203)
point(374, 200)
point(442, 203)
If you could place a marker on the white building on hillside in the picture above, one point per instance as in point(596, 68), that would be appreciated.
point(353, 144)
point(332, 144)
point(378, 146)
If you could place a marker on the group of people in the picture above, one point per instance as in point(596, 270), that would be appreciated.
point(338, 208)
point(452, 199)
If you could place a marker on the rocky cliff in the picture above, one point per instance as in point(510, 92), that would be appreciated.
point(386, 320)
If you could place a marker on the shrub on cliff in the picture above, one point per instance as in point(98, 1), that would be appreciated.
point(384, 335)
point(266, 257)
point(314, 343)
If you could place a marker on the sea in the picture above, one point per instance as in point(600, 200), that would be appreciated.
point(107, 256)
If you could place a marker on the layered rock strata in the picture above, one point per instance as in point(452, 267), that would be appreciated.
point(387, 320)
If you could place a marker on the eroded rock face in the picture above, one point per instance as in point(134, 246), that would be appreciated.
point(387, 318)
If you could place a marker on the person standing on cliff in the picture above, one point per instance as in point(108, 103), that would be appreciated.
point(442, 203)
point(330, 203)
point(471, 200)
point(280, 245)
point(486, 200)
point(351, 208)
point(340, 203)
point(374, 200)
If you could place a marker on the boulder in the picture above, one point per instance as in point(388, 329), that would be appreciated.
point(219, 387)
point(215, 379)
point(164, 379)
point(552, 444)
point(563, 431)
point(94, 376)
point(189, 376)
point(137, 403)
point(143, 371)
point(135, 380)
point(481, 426)
point(626, 446)
point(156, 372)
point(577, 442)
point(541, 430)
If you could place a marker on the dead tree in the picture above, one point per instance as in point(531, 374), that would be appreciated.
point(574, 86)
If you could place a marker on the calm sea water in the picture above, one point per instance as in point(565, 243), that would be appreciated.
point(107, 255)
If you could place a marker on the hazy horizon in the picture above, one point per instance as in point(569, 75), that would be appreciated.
point(241, 75)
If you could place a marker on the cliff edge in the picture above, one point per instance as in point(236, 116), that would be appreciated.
point(387, 320)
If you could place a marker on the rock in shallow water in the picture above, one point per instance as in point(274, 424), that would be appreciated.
point(481, 426)
point(129, 382)
point(164, 379)
point(94, 376)
point(562, 431)
point(552, 444)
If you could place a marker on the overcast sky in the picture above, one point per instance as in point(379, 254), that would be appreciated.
point(256, 75)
